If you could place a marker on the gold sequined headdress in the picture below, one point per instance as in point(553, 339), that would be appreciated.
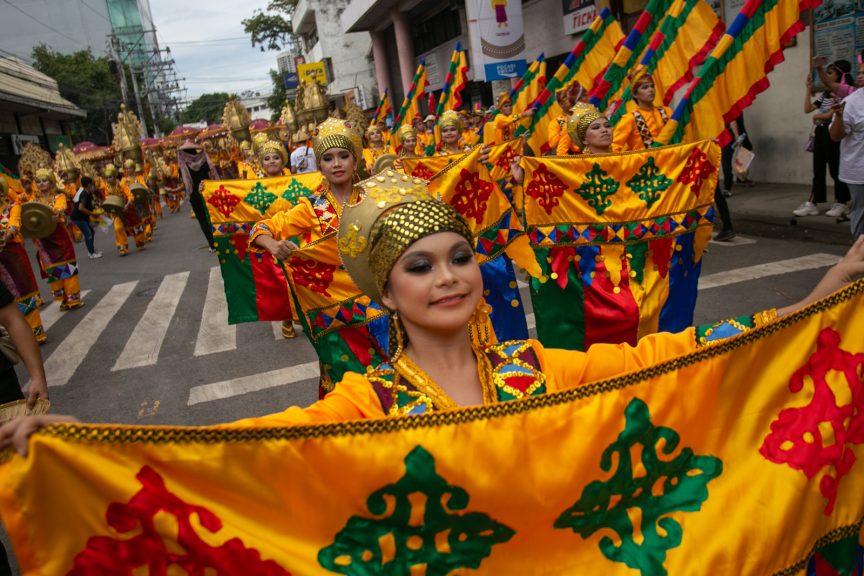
point(336, 133)
point(503, 98)
point(450, 118)
point(396, 211)
point(406, 131)
point(109, 170)
point(580, 118)
point(271, 147)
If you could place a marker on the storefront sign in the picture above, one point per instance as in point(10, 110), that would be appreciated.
point(578, 15)
point(316, 70)
point(501, 46)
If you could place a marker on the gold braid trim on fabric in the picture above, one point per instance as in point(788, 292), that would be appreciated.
point(831, 537)
point(165, 434)
point(697, 208)
point(406, 368)
point(453, 164)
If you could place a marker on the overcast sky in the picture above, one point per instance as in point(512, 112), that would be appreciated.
point(209, 46)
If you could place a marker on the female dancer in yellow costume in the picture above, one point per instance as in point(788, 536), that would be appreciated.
point(347, 331)
point(15, 270)
point(56, 253)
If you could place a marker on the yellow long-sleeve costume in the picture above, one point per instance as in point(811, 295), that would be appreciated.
point(628, 134)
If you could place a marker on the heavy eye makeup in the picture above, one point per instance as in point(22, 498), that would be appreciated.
point(422, 262)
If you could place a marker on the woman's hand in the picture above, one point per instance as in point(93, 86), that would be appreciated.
point(484, 153)
point(16, 432)
point(516, 170)
point(280, 249)
point(809, 82)
point(849, 269)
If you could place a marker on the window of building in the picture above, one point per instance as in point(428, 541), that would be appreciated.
point(440, 28)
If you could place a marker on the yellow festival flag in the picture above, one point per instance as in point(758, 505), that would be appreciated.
point(738, 459)
point(255, 286)
point(619, 239)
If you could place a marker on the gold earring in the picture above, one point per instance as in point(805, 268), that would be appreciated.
point(478, 326)
point(396, 336)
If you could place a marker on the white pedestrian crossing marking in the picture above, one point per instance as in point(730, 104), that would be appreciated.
point(214, 333)
point(142, 348)
point(810, 262)
point(254, 383)
point(51, 313)
point(69, 354)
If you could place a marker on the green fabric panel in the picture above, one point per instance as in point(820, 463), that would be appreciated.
point(239, 283)
point(560, 314)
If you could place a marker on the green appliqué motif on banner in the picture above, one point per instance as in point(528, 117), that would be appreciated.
point(649, 183)
point(684, 488)
point(597, 189)
point(259, 198)
point(418, 517)
point(294, 191)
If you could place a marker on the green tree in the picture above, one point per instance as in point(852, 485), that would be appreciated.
point(271, 29)
point(207, 107)
point(277, 98)
point(87, 82)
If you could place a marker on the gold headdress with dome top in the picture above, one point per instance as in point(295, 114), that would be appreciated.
point(580, 118)
point(271, 147)
point(396, 211)
point(450, 118)
point(336, 133)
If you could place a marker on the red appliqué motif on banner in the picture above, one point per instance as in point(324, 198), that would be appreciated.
point(505, 158)
point(163, 553)
point(546, 188)
point(316, 276)
point(819, 435)
point(697, 169)
point(422, 171)
point(472, 195)
point(224, 201)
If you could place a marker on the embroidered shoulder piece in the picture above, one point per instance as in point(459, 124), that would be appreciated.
point(642, 125)
point(516, 370)
point(396, 394)
point(709, 333)
point(328, 219)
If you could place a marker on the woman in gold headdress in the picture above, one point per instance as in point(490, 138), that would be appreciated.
point(450, 125)
point(56, 253)
point(15, 270)
point(407, 145)
point(638, 128)
point(590, 130)
point(375, 148)
point(346, 330)
point(272, 159)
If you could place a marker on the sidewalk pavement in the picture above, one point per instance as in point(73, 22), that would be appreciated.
point(766, 210)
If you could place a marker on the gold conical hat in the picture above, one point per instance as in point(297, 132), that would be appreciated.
point(65, 161)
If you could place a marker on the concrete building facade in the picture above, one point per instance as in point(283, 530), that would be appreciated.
point(64, 25)
point(347, 56)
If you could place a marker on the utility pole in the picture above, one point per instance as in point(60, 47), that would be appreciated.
point(138, 101)
point(121, 69)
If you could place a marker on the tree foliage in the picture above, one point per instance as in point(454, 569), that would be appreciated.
point(271, 29)
point(277, 98)
point(87, 82)
point(207, 108)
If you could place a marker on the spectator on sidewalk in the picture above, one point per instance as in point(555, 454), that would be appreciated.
point(826, 152)
point(82, 209)
point(847, 127)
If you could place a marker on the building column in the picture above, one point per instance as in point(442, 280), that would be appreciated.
point(379, 55)
point(404, 46)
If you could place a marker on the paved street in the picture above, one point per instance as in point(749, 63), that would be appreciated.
point(152, 345)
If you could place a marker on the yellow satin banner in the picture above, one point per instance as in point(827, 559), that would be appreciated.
point(231, 203)
point(621, 187)
point(737, 459)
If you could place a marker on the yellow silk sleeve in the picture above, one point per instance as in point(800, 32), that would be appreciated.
point(284, 225)
point(565, 146)
point(626, 135)
point(60, 203)
point(555, 133)
point(352, 399)
point(14, 217)
point(568, 368)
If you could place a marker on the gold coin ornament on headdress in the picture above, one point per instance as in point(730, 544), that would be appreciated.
point(336, 133)
point(396, 211)
point(580, 118)
point(450, 118)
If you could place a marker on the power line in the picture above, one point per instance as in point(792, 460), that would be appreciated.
point(44, 24)
point(100, 14)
